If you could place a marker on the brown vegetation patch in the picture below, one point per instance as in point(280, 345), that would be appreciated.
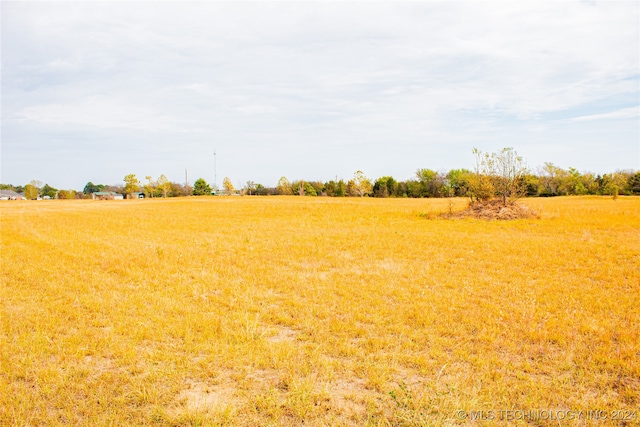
point(494, 209)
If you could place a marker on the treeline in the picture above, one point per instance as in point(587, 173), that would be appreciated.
point(552, 181)
point(549, 181)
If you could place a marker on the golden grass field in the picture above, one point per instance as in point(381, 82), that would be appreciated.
point(288, 311)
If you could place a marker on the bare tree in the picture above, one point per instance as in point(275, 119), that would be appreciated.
point(251, 186)
point(500, 175)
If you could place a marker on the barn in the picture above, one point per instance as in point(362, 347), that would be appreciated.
point(11, 195)
point(106, 195)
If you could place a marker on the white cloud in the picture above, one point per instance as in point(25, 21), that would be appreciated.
point(357, 75)
point(102, 112)
point(624, 113)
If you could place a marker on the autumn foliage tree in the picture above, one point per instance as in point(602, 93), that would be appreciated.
point(164, 185)
point(132, 184)
point(67, 194)
point(284, 187)
point(149, 187)
point(229, 189)
point(30, 192)
point(361, 184)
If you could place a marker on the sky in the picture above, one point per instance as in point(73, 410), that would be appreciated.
point(93, 91)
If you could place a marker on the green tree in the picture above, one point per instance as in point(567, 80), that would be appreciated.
point(385, 186)
point(318, 187)
point(48, 191)
point(260, 190)
point(401, 189)
point(614, 183)
point(414, 188)
point(335, 189)
point(16, 188)
point(330, 188)
point(341, 190)
point(201, 188)
point(625, 176)
point(88, 188)
point(531, 184)
point(229, 189)
point(590, 182)
point(426, 178)
point(304, 188)
point(93, 188)
point(433, 184)
point(634, 183)
point(30, 192)
point(458, 182)
point(132, 185)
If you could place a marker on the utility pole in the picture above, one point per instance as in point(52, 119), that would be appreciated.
point(186, 182)
point(215, 171)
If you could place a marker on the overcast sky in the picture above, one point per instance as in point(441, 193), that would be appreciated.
point(92, 91)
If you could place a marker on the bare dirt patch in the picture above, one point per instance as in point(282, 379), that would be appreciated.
point(262, 379)
point(349, 398)
point(201, 397)
point(283, 334)
point(100, 366)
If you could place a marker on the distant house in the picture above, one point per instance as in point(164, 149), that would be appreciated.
point(11, 195)
point(106, 195)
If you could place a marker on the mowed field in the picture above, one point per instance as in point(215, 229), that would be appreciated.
point(288, 311)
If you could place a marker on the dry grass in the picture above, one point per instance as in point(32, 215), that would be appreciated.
point(283, 311)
